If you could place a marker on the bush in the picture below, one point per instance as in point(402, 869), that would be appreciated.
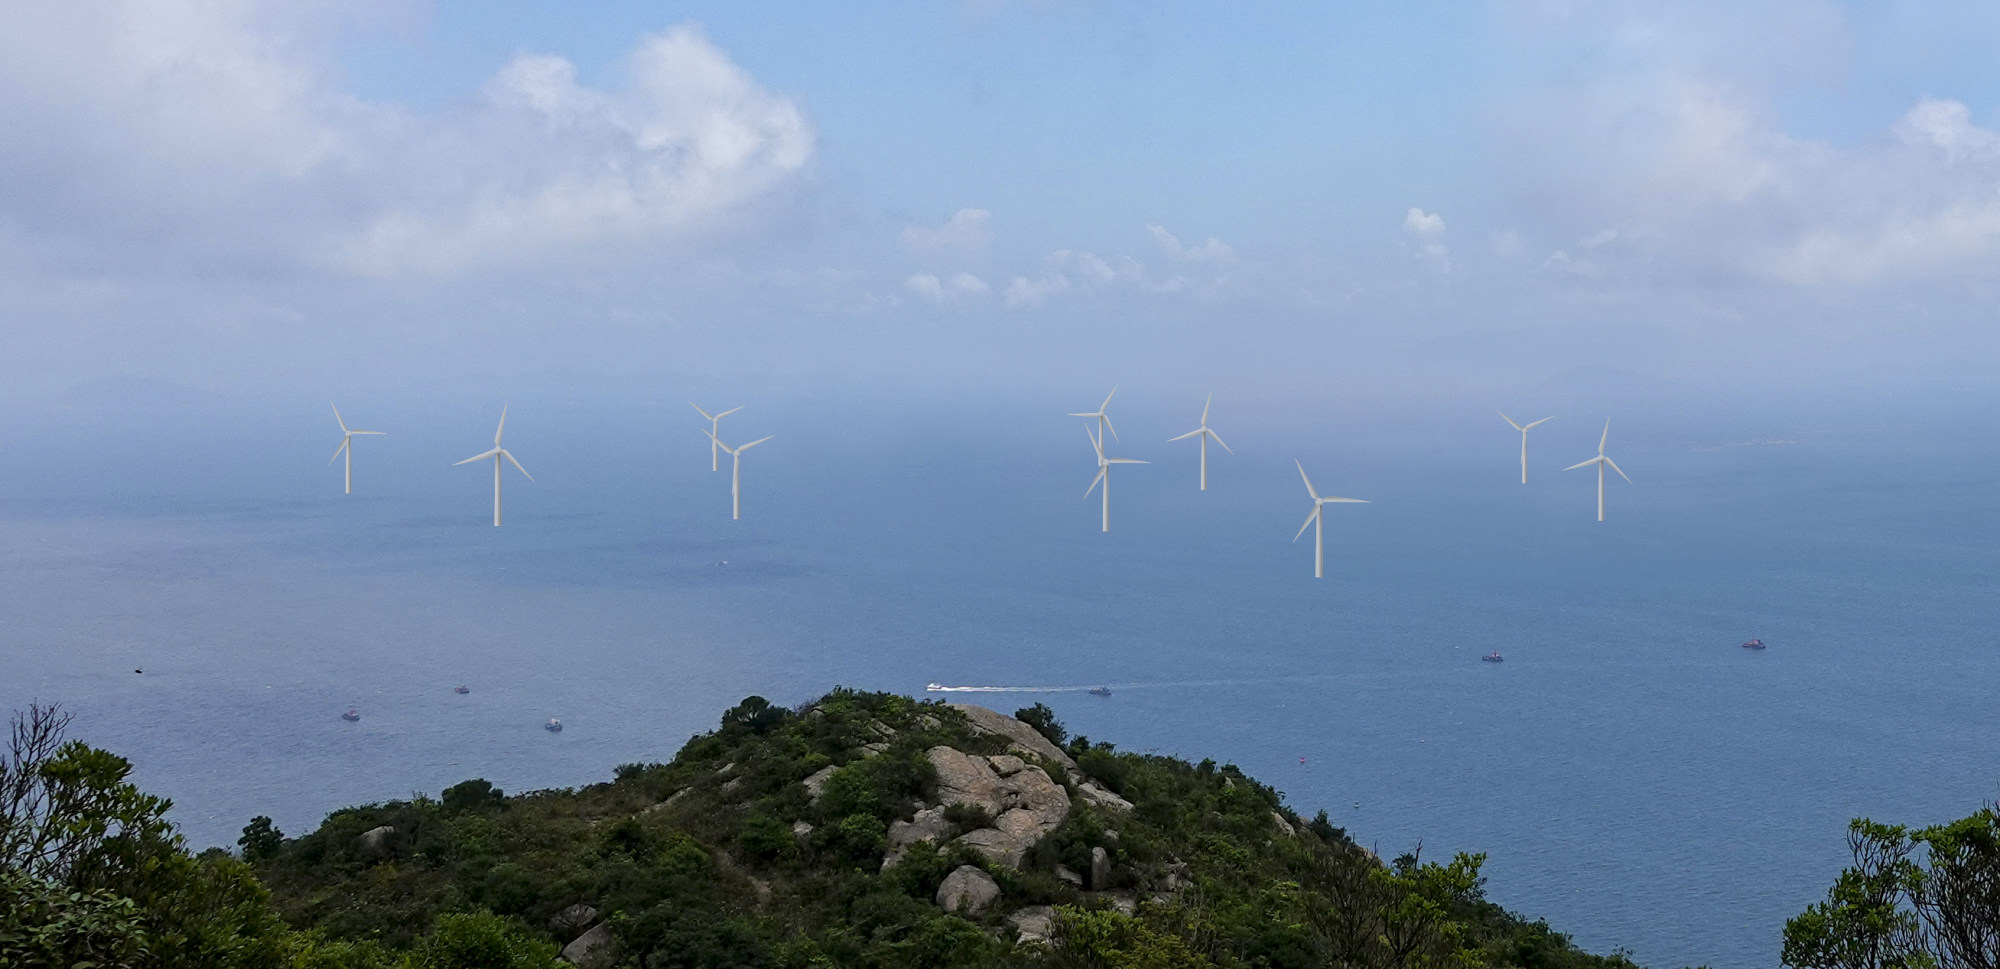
point(1045, 723)
point(472, 795)
point(482, 940)
point(755, 715)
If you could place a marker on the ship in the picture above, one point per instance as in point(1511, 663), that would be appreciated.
point(461, 689)
point(553, 726)
point(351, 715)
point(1100, 691)
point(1494, 657)
point(1753, 644)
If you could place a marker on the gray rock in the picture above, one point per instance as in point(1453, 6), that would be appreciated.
point(929, 722)
point(1026, 807)
point(731, 784)
point(726, 768)
point(570, 922)
point(965, 779)
point(870, 750)
point(802, 830)
point(375, 842)
point(967, 889)
point(1006, 765)
point(1032, 923)
point(1125, 902)
point(595, 949)
point(1023, 736)
point(882, 730)
point(1095, 795)
point(817, 782)
point(928, 825)
point(1063, 872)
point(1284, 825)
point(1100, 869)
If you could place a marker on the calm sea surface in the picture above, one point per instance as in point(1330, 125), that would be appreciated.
point(1632, 774)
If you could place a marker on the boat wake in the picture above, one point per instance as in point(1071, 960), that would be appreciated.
point(940, 688)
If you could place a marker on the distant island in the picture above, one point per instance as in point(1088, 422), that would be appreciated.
point(857, 830)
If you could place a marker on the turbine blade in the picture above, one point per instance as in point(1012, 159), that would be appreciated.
point(1189, 434)
point(502, 427)
point(728, 412)
point(1095, 444)
point(1309, 481)
point(1542, 421)
point(477, 457)
point(1615, 467)
point(1348, 501)
point(517, 465)
point(698, 410)
point(1124, 461)
point(1205, 407)
point(1583, 464)
point(1086, 415)
point(1108, 426)
point(1107, 398)
point(376, 433)
point(336, 451)
point(1218, 440)
point(336, 416)
point(1101, 471)
point(1308, 524)
point(1606, 437)
point(718, 442)
point(745, 447)
point(1509, 420)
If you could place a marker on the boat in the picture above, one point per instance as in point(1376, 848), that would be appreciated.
point(351, 715)
point(553, 726)
point(934, 687)
point(461, 689)
point(1493, 657)
point(1100, 691)
point(1753, 644)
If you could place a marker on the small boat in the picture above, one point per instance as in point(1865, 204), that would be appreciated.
point(1100, 691)
point(934, 687)
point(1493, 657)
point(1753, 644)
point(351, 716)
point(553, 726)
point(461, 689)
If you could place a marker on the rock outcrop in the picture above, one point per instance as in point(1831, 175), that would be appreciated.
point(928, 825)
point(375, 844)
point(1025, 805)
point(1032, 924)
point(967, 889)
point(816, 784)
point(1100, 869)
point(595, 949)
point(571, 922)
point(1023, 736)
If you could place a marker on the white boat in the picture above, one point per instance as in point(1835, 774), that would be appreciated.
point(553, 726)
point(934, 687)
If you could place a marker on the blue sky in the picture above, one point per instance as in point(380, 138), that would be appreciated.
point(272, 200)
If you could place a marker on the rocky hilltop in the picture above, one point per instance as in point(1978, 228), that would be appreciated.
point(876, 830)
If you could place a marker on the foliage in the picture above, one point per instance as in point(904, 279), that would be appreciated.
point(1045, 723)
point(472, 795)
point(1912, 900)
point(260, 839)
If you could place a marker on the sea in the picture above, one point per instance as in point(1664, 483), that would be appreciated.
point(1631, 773)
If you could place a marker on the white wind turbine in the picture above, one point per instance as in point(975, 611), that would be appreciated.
point(347, 446)
point(1104, 471)
point(736, 475)
point(1523, 428)
point(496, 454)
point(714, 428)
point(1600, 460)
point(1103, 421)
point(1319, 523)
point(1205, 435)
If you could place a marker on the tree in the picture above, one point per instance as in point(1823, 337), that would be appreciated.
point(67, 813)
point(1045, 723)
point(755, 715)
point(472, 795)
point(260, 840)
point(1912, 900)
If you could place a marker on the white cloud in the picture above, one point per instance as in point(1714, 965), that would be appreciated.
point(960, 284)
point(925, 284)
point(969, 285)
point(212, 130)
point(967, 231)
point(1028, 293)
point(1506, 244)
point(1423, 225)
point(1214, 250)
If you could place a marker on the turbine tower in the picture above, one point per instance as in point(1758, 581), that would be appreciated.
point(347, 445)
point(1102, 420)
point(1600, 460)
point(714, 428)
point(496, 454)
point(1318, 523)
point(1523, 428)
point(1205, 435)
point(736, 475)
point(1104, 471)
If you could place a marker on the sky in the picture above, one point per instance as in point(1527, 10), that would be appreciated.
point(1388, 202)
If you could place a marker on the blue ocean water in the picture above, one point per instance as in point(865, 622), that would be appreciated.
point(1632, 774)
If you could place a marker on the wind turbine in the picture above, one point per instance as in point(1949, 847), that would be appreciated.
point(736, 476)
point(1600, 460)
point(1205, 435)
point(347, 446)
point(1319, 523)
point(1104, 469)
point(1102, 420)
point(1523, 428)
point(714, 428)
point(496, 454)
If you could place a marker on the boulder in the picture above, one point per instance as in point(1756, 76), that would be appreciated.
point(1097, 796)
point(928, 825)
point(1063, 872)
point(731, 784)
point(1284, 825)
point(1032, 923)
point(967, 889)
point(1006, 765)
point(870, 750)
point(817, 782)
point(1023, 736)
point(802, 830)
point(1125, 902)
point(1026, 807)
point(1100, 869)
point(572, 921)
point(965, 779)
point(375, 843)
point(595, 949)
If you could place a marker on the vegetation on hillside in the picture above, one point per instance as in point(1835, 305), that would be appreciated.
point(725, 857)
